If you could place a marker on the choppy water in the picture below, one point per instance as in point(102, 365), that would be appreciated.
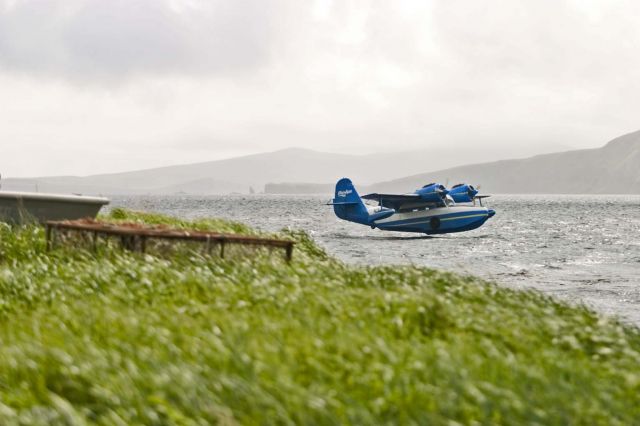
point(580, 248)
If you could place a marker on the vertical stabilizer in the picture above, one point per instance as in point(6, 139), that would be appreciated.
point(347, 204)
point(346, 192)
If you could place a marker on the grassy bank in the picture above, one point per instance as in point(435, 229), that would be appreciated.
point(120, 338)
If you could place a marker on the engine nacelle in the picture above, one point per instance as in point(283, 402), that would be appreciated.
point(463, 193)
point(433, 192)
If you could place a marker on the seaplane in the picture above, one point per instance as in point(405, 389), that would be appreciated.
point(432, 209)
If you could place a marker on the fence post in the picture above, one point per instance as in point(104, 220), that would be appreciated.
point(48, 236)
point(289, 252)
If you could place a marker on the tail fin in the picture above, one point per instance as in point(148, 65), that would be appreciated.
point(346, 193)
point(347, 204)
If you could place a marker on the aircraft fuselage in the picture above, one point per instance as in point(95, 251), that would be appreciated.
point(437, 220)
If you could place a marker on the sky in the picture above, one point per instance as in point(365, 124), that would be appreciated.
point(96, 86)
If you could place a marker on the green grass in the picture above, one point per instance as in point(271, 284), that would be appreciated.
point(121, 338)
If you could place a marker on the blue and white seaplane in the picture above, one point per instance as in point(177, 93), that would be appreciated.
point(432, 209)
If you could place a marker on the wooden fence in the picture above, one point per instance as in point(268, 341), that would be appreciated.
point(134, 237)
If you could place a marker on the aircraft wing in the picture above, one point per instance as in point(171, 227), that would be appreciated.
point(400, 201)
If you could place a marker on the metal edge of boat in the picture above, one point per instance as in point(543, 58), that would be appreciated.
point(21, 207)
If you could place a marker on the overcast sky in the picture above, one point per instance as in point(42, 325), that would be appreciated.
point(91, 86)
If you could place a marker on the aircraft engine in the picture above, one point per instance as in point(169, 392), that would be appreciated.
point(433, 192)
point(463, 193)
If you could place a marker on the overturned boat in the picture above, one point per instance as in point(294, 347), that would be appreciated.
point(23, 207)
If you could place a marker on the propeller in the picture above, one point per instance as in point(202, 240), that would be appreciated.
point(478, 186)
point(472, 191)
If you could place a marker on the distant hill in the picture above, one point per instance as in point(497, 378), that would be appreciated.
point(240, 173)
point(299, 188)
point(612, 169)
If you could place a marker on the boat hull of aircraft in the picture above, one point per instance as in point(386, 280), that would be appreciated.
point(438, 220)
point(429, 210)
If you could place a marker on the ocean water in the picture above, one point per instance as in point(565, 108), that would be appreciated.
point(581, 248)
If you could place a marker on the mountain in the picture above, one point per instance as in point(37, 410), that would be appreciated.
point(612, 169)
point(240, 173)
point(299, 188)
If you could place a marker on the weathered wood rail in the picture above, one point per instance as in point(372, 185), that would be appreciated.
point(134, 237)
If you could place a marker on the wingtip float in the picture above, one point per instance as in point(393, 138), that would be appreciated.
point(432, 209)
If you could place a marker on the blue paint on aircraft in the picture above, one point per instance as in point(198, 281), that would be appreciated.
point(431, 209)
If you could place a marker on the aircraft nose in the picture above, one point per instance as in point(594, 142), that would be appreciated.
point(491, 212)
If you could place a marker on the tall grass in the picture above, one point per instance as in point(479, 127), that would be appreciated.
point(121, 338)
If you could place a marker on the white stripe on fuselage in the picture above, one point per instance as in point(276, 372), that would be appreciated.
point(427, 214)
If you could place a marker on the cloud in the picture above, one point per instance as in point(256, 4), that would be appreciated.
point(210, 78)
point(115, 39)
